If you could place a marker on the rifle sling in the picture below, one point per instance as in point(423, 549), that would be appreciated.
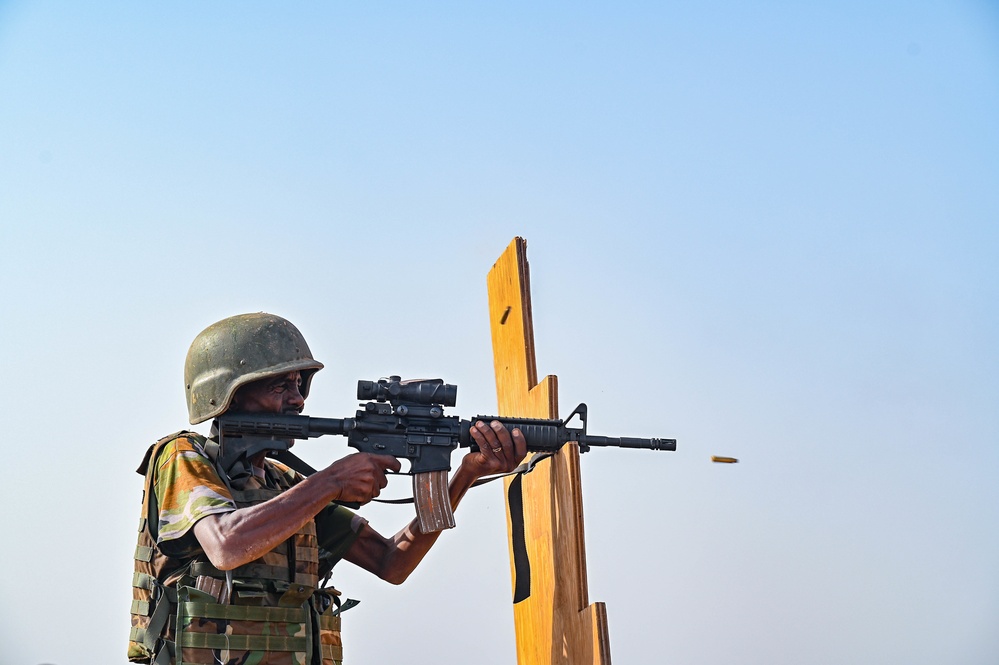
point(521, 560)
point(293, 461)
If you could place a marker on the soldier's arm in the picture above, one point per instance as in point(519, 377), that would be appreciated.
point(393, 559)
point(235, 538)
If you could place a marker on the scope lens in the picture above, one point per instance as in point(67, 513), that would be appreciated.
point(367, 390)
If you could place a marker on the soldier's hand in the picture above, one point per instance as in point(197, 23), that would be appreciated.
point(500, 450)
point(360, 477)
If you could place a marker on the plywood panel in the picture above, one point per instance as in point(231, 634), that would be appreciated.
point(555, 623)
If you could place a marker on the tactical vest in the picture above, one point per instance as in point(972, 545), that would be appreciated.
point(267, 612)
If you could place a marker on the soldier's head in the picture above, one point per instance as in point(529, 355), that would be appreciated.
point(264, 353)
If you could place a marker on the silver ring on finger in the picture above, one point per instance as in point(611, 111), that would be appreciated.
point(497, 449)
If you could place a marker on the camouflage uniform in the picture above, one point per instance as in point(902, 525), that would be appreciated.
point(270, 611)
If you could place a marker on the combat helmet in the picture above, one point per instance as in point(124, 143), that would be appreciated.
point(238, 350)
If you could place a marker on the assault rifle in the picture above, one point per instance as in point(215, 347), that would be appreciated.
point(406, 419)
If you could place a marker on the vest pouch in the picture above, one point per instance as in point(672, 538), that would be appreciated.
point(330, 641)
point(212, 634)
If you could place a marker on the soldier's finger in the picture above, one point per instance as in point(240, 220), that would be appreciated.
point(502, 433)
point(519, 444)
point(484, 436)
point(503, 441)
point(387, 462)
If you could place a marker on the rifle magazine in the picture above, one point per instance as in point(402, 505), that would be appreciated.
point(433, 504)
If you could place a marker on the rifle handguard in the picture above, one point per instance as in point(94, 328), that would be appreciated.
point(433, 504)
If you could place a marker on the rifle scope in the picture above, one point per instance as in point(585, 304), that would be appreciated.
point(415, 391)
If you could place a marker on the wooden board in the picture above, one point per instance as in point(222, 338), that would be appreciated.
point(555, 623)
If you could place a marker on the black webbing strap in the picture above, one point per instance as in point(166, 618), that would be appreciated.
point(518, 542)
point(521, 561)
point(293, 461)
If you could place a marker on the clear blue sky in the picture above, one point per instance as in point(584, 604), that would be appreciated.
point(766, 229)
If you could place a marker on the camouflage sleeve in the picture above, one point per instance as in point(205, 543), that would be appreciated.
point(187, 488)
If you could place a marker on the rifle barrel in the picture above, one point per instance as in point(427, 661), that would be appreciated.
point(627, 442)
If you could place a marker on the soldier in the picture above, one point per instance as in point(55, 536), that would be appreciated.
point(235, 549)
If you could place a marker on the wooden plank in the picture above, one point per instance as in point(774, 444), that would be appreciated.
point(555, 623)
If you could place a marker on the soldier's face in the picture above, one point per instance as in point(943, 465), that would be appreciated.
point(281, 394)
